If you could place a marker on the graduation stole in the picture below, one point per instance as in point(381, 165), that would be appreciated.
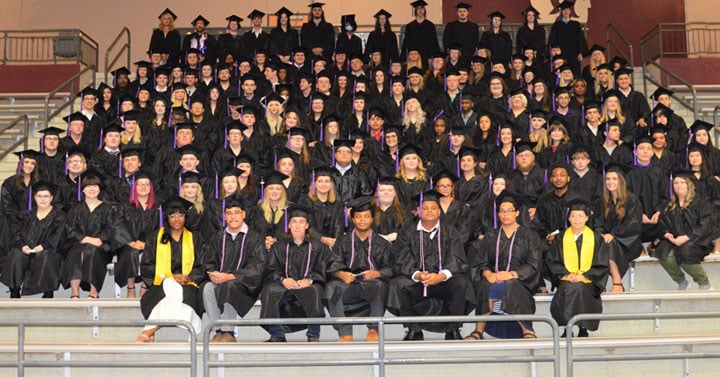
point(570, 254)
point(163, 256)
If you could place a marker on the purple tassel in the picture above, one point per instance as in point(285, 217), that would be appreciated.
point(226, 139)
point(286, 220)
point(20, 163)
point(30, 198)
point(229, 112)
point(671, 185)
point(530, 129)
point(382, 140)
point(553, 102)
point(66, 163)
point(567, 215)
point(686, 158)
point(582, 116)
point(635, 160)
point(450, 141)
point(161, 216)
point(490, 183)
point(223, 213)
point(42, 144)
point(607, 132)
point(444, 82)
point(514, 158)
point(101, 140)
point(262, 190)
point(120, 165)
point(431, 183)
point(345, 214)
point(322, 131)
point(421, 203)
point(458, 166)
point(312, 66)
point(545, 178)
point(179, 183)
point(435, 118)
point(402, 109)
point(132, 189)
point(79, 188)
point(275, 162)
point(174, 137)
point(312, 183)
point(170, 117)
point(217, 188)
point(494, 215)
point(508, 107)
point(397, 161)
point(497, 138)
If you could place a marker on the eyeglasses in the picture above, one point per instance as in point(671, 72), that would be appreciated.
point(43, 196)
point(506, 211)
point(176, 215)
point(444, 186)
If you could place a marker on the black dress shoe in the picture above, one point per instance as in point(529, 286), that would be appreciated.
point(276, 339)
point(414, 335)
point(453, 335)
point(583, 333)
point(564, 334)
point(49, 294)
point(313, 339)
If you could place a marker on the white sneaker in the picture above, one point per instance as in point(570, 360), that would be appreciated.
point(683, 285)
point(706, 287)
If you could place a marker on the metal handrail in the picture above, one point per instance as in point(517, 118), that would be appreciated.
point(716, 111)
point(609, 42)
point(571, 358)
point(21, 363)
point(380, 360)
point(125, 47)
point(70, 81)
point(693, 90)
point(22, 140)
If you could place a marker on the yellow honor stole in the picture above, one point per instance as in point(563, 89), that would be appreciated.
point(163, 256)
point(570, 252)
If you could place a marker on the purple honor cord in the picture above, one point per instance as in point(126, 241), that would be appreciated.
point(352, 251)
point(422, 255)
point(242, 252)
point(510, 250)
point(287, 258)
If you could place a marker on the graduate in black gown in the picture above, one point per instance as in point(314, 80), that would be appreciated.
point(430, 269)
point(254, 40)
point(165, 38)
point(234, 260)
point(462, 32)
point(383, 37)
point(506, 271)
point(140, 216)
point(497, 39)
point(531, 34)
point(569, 36)
point(297, 269)
point(230, 43)
point(420, 34)
point(284, 39)
point(471, 187)
point(619, 222)
point(52, 158)
point(687, 233)
point(347, 40)
point(199, 39)
point(649, 183)
point(172, 270)
point(16, 191)
point(318, 35)
point(578, 259)
point(88, 248)
point(34, 259)
point(366, 268)
point(327, 219)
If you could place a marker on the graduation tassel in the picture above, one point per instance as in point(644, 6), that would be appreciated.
point(421, 203)
point(345, 215)
point(225, 145)
point(79, 190)
point(223, 211)
point(490, 183)
point(450, 141)
point(132, 189)
point(42, 144)
point(332, 155)
point(20, 163)
point(402, 109)
point(275, 162)
point(66, 163)
point(397, 161)
point(160, 211)
point(30, 198)
point(545, 178)
point(494, 215)
point(217, 188)
point(227, 103)
point(635, 160)
point(322, 131)
point(382, 140)
point(671, 185)
point(312, 183)
point(582, 115)
point(119, 165)
point(431, 183)
point(286, 220)
point(179, 183)
point(174, 137)
point(101, 140)
point(607, 133)
point(262, 189)
point(514, 158)
point(567, 219)
point(530, 128)
point(458, 165)
point(686, 158)
point(497, 138)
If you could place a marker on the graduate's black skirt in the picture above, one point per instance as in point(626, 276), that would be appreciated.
point(155, 293)
point(301, 303)
point(622, 256)
point(576, 298)
point(87, 263)
point(127, 265)
point(33, 273)
point(516, 299)
point(374, 288)
point(235, 293)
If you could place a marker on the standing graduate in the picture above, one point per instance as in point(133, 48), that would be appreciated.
point(284, 39)
point(172, 270)
point(366, 269)
point(579, 261)
point(531, 36)
point(52, 157)
point(16, 191)
point(318, 35)
point(255, 39)
point(506, 267)
point(200, 40)
point(347, 41)
point(430, 268)
point(165, 37)
point(420, 34)
point(569, 36)
point(462, 32)
point(89, 227)
point(496, 39)
point(33, 262)
point(234, 260)
point(297, 269)
point(383, 37)
point(230, 43)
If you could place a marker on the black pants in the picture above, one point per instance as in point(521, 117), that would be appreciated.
point(451, 291)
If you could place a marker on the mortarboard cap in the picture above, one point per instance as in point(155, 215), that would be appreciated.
point(462, 5)
point(256, 13)
point(200, 18)
point(661, 91)
point(524, 146)
point(360, 204)
point(168, 11)
point(382, 12)
point(347, 143)
point(409, 149)
point(496, 14)
point(510, 197)
point(565, 4)
point(121, 71)
point(418, 3)
point(52, 131)
point(428, 196)
point(285, 11)
point(233, 17)
point(175, 204)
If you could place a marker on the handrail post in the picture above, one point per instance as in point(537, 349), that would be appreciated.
point(27, 130)
point(5, 41)
point(381, 347)
point(21, 350)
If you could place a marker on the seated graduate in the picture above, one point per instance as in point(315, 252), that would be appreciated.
point(234, 260)
point(88, 247)
point(33, 262)
point(140, 215)
point(390, 215)
point(578, 259)
point(297, 269)
point(687, 232)
point(15, 193)
point(430, 263)
point(172, 269)
point(366, 269)
point(507, 266)
point(327, 213)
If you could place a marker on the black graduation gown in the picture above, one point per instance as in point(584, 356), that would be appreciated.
point(251, 43)
point(256, 220)
point(622, 154)
point(406, 190)
point(500, 44)
point(386, 40)
point(552, 212)
point(635, 105)
point(589, 187)
point(244, 257)
point(155, 293)
point(86, 145)
point(406, 250)
point(351, 45)
point(356, 261)
point(209, 48)
point(135, 225)
point(318, 35)
point(461, 217)
point(327, 218)
point(526, 261)
point(571, 39)
point(465, 34)
point(532, 185)
point(534, 38)
point(106, 163)
point(281, 43)
point(650, 185)
point(585, 136)
point(229, 45)
point(422, 36)
point(388, 222)
point(471, 192)
point(84, 261)
point(626, 245)
point(286, 259)
point(37, 272)
point(352, 184)
point(548, 157)
point(578, 298)
point(170, 43)
point(498, 162)
point(52, 168)
point(695, 221)
point(14, 199)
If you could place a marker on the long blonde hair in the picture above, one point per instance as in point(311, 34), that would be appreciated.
point(136, 137)
point(199, 202)
point(674, 202)
point(421, 171)
point(618, 114)
point(419, 120)
point(267, 211)
point(540, 136)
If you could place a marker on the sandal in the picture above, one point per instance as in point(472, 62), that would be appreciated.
point(619, 285)
point(93, 297)
point(145, 338)
point(74, 297)
point(529, 335)
point(475, 335)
